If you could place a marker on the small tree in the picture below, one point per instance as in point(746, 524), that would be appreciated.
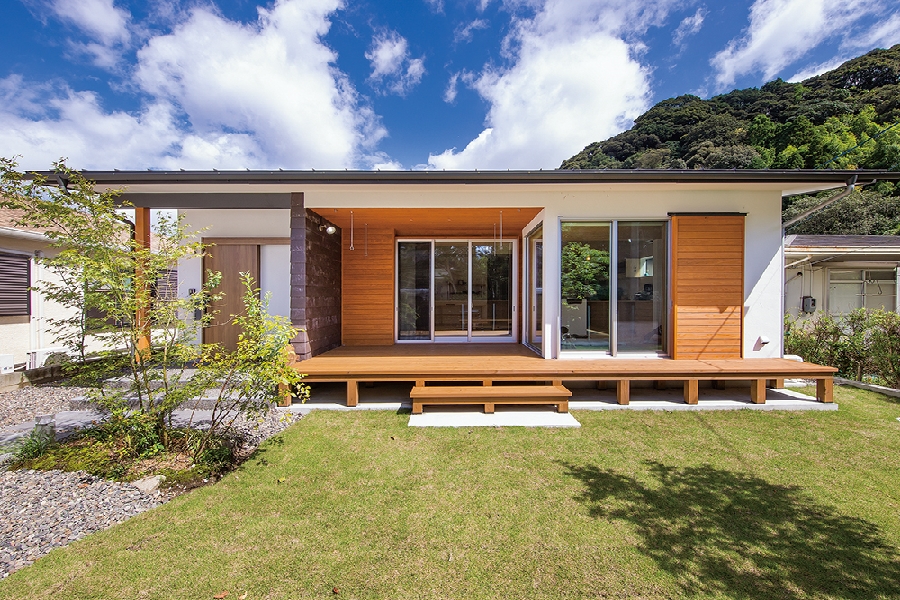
point(106, 278)
point(253, 377)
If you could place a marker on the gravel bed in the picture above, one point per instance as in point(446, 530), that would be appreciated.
point(24, 404)
point(42, 510)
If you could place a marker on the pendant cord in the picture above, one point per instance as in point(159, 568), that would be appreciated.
point(351, 230)
point(367, 240)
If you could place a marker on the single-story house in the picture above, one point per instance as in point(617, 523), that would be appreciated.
point(606, 275)
point(837, 274)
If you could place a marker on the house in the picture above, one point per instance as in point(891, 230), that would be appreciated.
point(837, 274)
point(25, 337)
point(643, 275)
point(29, 319)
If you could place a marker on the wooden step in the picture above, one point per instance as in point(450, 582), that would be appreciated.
point(490, 395)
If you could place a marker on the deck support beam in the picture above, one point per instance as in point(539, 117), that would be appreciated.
point(691, 391)
point(758, 391)
point(776, 384)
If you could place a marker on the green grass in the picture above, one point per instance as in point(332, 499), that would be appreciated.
point(632, 505)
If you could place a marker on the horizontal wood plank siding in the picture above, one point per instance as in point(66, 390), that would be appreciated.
point(707, 286)
point(368, 287)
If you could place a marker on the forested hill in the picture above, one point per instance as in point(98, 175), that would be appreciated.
point(838, 120)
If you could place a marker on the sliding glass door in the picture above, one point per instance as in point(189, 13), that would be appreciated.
point(613, 282)
point(414, 291)
point(534, 287)
point(455, 291)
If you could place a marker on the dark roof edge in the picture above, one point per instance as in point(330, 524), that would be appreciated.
point(118, 178)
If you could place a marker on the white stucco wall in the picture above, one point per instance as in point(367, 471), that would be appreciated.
point(814, 282)
point(20, 335)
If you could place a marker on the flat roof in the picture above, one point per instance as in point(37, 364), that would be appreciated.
point(838, 177)
point(272, 189)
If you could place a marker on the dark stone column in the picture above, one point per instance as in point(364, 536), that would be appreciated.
point(323, 284)
point(298, 276)
point(315, 281)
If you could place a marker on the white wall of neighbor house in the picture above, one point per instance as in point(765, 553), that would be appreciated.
point(811, 278)
point(275, 260)
point(20, 335)
point(764, 259)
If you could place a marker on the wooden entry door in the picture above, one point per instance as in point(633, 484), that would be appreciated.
point(230, 260)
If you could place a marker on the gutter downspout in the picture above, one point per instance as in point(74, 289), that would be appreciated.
point(851, 185)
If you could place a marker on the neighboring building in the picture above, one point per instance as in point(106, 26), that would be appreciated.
point(837, 274)
point(24, 331)
point(690, 263)
point(27, 332)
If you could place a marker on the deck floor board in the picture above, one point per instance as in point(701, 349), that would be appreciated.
point(409, 362)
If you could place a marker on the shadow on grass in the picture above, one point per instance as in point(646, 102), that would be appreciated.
point(720, 532)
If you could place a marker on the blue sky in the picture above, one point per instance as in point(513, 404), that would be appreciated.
point(407, 84)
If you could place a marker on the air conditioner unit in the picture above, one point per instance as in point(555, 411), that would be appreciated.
point(37, 358)
point(7, 363)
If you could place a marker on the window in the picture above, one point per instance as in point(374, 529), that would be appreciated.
point(851, 289)
point(15, 284)
point(613, 283)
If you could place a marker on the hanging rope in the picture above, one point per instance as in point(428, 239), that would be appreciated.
point(367, 241)
point(351, 230)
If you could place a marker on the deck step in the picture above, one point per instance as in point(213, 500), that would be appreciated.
point(490, 395)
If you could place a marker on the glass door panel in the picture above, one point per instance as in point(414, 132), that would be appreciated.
point(451, 289)
point(414, 290)
point(535, 290)
point(641, 284)
point(585, 273)
point(492, 267)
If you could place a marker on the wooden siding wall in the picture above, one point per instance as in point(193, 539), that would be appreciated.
point(707, 286)
point(367, 297)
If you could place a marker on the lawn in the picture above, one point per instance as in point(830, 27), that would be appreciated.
point(632, 505)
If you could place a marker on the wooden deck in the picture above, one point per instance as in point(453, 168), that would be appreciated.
point(486, 364)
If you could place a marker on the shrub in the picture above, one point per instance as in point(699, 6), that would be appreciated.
point(862, 344)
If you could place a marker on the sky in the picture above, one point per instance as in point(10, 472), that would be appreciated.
point(405, 84)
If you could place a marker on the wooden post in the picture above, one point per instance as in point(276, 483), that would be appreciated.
point(284, 395)
point(623, 391)
point(142, 292)
point(776, 384)
point(758, 391)
point(691, 391)
point(352, 392)
point(825, 389)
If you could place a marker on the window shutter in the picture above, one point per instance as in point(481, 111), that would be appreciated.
point(15, 280)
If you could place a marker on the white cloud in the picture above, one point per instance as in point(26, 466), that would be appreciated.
point(451, 91)
point(217, 94)
point(436, 5)
point(573, 80)
point(884, 34)
point(817, 69)
point(99, 19)
point(783, 31)
point(392, 65)
point(464, 33)
point(107, 26)
point(688, 26)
